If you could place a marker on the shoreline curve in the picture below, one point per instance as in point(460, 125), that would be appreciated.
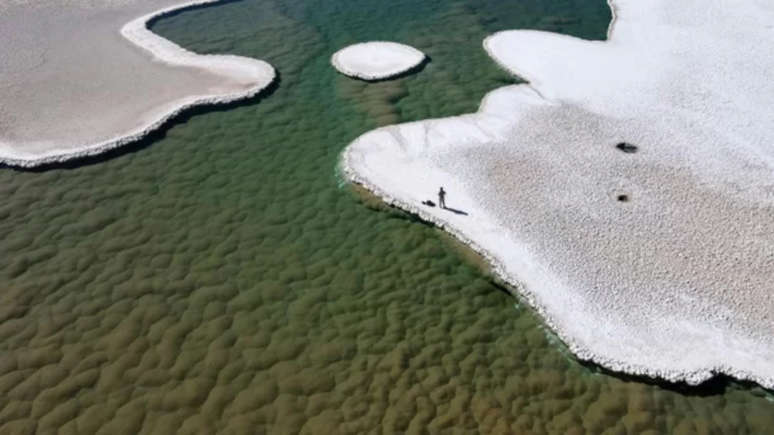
point(137, 33)
point(523, 292)
point(352, 157)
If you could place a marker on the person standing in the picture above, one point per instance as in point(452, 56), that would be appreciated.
point(442, 198)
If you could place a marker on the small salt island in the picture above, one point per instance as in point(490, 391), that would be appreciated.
point(376, 60)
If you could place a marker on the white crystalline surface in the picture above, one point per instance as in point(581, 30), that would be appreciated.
point(376, 60)
point(78, 77)
point(678, 281)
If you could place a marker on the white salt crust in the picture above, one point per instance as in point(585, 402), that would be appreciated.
point(676, 283)
point(376, 60)
point(249, 77)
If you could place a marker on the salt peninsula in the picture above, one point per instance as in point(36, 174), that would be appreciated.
point(80, 78)
point(626, 191)
point(376, 60)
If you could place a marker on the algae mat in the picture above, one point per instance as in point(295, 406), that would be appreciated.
point(219, 277)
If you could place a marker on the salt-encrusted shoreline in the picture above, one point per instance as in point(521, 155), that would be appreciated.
point(723, 327)
point(257, 73)
point(376, 60)
point(694, 377)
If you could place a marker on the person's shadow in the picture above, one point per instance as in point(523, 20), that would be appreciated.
point(429, 203)
point(455, 211)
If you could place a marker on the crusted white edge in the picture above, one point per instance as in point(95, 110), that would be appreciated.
point(370, 77)
point(137, 32)
point(690, 377)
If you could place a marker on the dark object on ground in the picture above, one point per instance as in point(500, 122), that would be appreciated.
point(623, 198)
point(627, 147)
point(428, 203)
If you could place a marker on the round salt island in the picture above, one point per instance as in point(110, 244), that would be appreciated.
point(376, 60)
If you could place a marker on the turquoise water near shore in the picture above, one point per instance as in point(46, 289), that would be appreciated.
point(222, 277)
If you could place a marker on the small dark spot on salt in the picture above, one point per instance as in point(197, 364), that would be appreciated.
point(623, 198)
point(626, 147)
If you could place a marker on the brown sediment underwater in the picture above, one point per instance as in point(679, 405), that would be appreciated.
point(217, 278)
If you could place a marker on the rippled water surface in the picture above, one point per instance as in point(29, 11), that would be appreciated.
point(220, 277)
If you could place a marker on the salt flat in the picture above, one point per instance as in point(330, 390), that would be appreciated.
point(652, 258)
point(376, 60)
point(80, 77)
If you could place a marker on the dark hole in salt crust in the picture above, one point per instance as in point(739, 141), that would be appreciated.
point(623, 198)
point(627, 147)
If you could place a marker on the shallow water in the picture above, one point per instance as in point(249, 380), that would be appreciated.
point(221, 277)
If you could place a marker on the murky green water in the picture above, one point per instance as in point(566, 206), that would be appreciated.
point(220, 278)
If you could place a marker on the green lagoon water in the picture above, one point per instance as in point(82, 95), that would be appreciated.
point(223, 278)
